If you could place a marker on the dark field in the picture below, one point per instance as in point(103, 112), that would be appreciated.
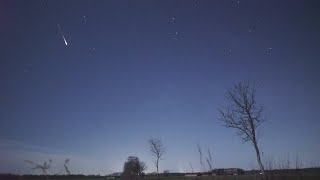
point(239, 177)
point(284, 174)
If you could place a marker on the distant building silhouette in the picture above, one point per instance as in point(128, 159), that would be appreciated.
point(227, 171)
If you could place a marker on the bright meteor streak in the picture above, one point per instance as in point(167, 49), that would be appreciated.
point(65, 41)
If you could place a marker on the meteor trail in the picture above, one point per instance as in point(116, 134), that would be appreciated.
point(65, 41)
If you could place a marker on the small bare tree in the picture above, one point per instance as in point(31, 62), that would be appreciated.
point(44, 168)
point(298, 163)
point(66, 167)
point(298, 166)
point(209, 159)
point(203, 165)
point(270, 164)
point(191, 166)
point(244, 114)
point(157, 150)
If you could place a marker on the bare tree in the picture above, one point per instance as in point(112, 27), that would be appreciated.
point(191, 166)
point(201, 157)
point(142, 167)
point(209, 159)
point(244, 114)
point(44, 168)
point(157, 150)
point(269, 164)
point(298, 163)
point(66, 167)
point(298, 166)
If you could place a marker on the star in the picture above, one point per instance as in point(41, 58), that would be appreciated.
point(268, 51)
point(195, 3)
point(172, 19)
point(175, 35)
point(84, 19)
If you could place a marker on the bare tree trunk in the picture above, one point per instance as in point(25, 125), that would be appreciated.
point(259, 159)
point(157, 166)
point(158, 169)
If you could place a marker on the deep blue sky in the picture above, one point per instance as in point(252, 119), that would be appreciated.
point(133, 70)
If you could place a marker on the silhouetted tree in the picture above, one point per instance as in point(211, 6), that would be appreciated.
point(44, 168)
point(133, 167)
point(166, 172)
point(298, 163)
point(66, 167)
point(191, 166)
point(203, 166)
point(244, 114)
point(157, 150)
point(209, 159)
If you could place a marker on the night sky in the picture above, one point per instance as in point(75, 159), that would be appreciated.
point(94, 80)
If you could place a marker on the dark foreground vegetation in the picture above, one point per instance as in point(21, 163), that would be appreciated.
point(302, 174)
